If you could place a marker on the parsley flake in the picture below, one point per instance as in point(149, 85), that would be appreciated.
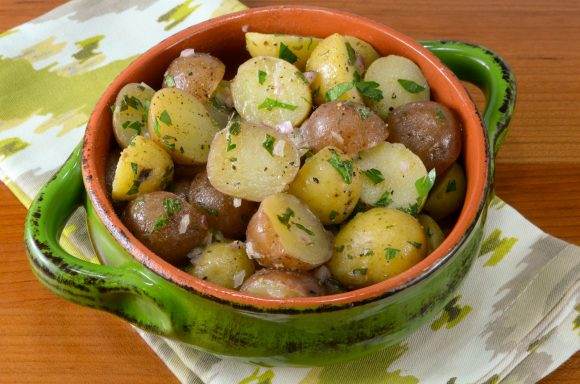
point(165, 118)
point(171, 206)
point(169, 80)
point(332, 215)
point(261, 77)
point(270, 104)
point(370, 90)
point(337, 91)
point(363, 111)
point(451, 186)
point(351, 54)
point(343, 167)
point(160, 223)
point(135, 168)
point(385, 200)
point(423, 185)
point(390, 253)
point(410, 86)
point(303, 228)
point(301, 76)
point(268, 144)
point(359, 271)
point(285, 217)
point(286, 53)
point(374, 175)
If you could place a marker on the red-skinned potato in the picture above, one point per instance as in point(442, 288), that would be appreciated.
point(277, 284)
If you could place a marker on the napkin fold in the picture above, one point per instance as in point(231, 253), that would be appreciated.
point(514, 320)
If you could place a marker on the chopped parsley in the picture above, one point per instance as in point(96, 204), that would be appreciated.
point(351, 53)
point(301, 76)
point(412, 209)
point(134, 187)
point(339, 248)
point(363, 111)
point(135, 168)
point(440, 116)
point(415, 244)
point(156, 126)
point(286, 53)
point(451, 186)
point(261, 77)
point(233, 130)
point(423, 185)
point(410, 86)
point(169, 80)
point(337, 91)
point(390, 253)
point(171, 206)
point(285, 217)
point(131, 101)
point(303, 228)
point(332, 215)
point(165, 118)
point(374, 175)
point(270, 104)
point(367, 252)
point(160, 223)
point(268, 144)
point(359, 271)
point(343, 167)
point(169, 141)
point(385, 200)
point(370, 90)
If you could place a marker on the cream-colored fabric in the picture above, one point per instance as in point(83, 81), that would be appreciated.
point(515, 319)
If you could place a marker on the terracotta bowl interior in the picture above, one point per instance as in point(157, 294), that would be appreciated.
point(224, 38)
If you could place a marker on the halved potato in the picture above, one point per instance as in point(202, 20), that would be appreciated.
point(142, 168)
point(400, 80)
point(394, 177)
point(182, 125)
point(285, 234)
point(130, 112)
point(296, 49)
point(448, 193)
point(335, 70)
point(271, 91)
point(251, 162)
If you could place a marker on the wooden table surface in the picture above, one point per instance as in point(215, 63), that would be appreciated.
point(46, 339)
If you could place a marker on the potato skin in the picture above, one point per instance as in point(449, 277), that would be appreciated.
point(447, 194)
point(147, 217)
point(279, 284)
point(348, 126)
point(224, 264)
point(376, 245)
point(219, 208)
point(430, 130)
point(260, 44)
point(198, 75)
point(324, 190)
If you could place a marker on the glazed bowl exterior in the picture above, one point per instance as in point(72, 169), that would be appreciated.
point(137, 285)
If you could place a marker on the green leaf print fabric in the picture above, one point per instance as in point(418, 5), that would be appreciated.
point(515, 319)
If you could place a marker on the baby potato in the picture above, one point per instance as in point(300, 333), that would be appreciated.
point(197, 74)
point(376, 245)
point(142, 167)
point(365, 52)
point(448, 193)
point(351, 127)
point(277, 284)
point(182, 125)
point(294, 49)
point(400, 80)
point(285, 234)
point(335, 69)
point(430, 130)
point(130, 112)
point(330, 184)
point(221, 104)
point(166, 224)
point(224, 213)
point(435, 235)
point(271, 91)
point(251, 162)
point(224, 264)
point(394, 177)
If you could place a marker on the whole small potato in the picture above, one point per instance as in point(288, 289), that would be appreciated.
point(224, 264)
point(348, 126)
point(376, 245)
point(278, 284)
point(166, 224)
point(224, 213)
point(285, 234)
point(198, 74)
point(435, 235)
point(330, 184)
point(430, 130)
point(447, 194)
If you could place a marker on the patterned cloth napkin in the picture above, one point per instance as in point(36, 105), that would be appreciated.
point(515, 319)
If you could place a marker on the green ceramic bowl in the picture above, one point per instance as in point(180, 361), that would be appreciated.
point(135, 284)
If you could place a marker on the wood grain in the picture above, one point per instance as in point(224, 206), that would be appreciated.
point(43, 338)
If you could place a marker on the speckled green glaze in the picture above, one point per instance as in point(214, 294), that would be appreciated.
point(318, 336)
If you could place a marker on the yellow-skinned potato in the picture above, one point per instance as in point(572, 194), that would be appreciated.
point(365, 51)
point(435, 235)
point(271, 91)
point(130, 112)
point(335, 69)
point(182, 125)
point(224, 264)
point(300, 47)
point(330, 184)
point(142, 168)
point(400, 80)
point(251, 162)
point(376, 245)
point(285, 234)
point(277, 284)
point(447, 194)
point(394, 177)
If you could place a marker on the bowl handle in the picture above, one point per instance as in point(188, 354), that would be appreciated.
point(488, 71)
point(130, 291)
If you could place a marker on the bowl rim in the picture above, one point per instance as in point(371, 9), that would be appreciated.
point(473, 207)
